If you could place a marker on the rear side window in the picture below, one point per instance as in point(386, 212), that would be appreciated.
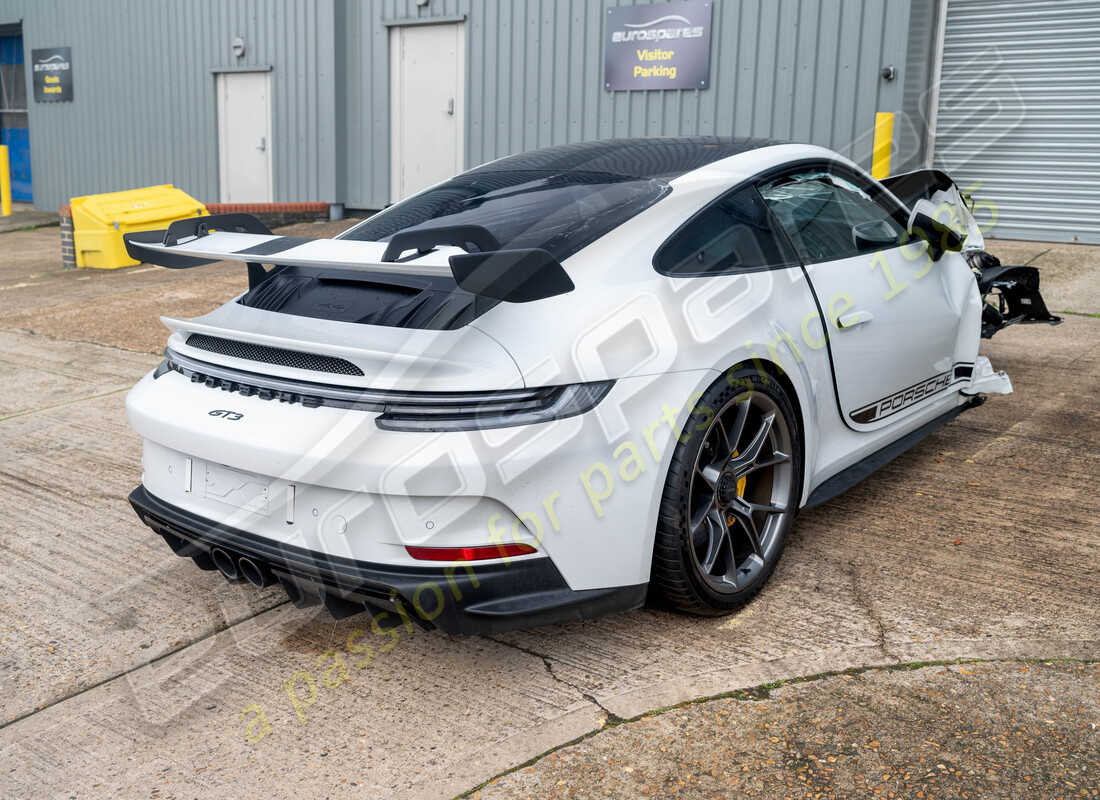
point(736, 234)
point(828, 217)
point(561, 212)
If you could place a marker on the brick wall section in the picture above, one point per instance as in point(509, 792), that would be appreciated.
point(267, 208)
point(274, 215)
point(68, 250)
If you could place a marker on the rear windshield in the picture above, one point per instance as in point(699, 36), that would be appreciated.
point(561, 212)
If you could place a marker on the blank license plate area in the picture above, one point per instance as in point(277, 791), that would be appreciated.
point(237, 489)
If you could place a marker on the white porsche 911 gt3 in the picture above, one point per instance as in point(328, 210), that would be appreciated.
point(536, 391)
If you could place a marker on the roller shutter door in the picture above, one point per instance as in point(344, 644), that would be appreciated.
point(1019, 114)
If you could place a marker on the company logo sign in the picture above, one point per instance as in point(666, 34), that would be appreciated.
point(671, 27)
point(661, 46)
point(51, 64)
point(51, 74)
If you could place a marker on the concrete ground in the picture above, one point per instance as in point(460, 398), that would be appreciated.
point(24, 217)
point(986, 730)
point(145, 677)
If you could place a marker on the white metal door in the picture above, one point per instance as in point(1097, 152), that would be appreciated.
point(427, 88)
point(893, 323)
point(892, 314)
point(244, 136)
point(1018, 120)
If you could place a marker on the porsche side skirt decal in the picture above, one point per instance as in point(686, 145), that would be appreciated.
point(900, 400)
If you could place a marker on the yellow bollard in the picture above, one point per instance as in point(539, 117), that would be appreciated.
point(883, 145)
point(5, 183)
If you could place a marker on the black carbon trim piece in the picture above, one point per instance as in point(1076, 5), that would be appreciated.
point(134, 248)
point(842, 481)
point(200, 226)
point(273, 246)
point(424, 239)
point(512, 276)
point(249, 351)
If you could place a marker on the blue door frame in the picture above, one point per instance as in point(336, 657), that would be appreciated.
point(13, 125)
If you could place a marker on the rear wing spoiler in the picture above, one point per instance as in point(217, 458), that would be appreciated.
point(484, 269)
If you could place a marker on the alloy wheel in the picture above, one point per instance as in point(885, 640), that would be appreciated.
point(740, 490)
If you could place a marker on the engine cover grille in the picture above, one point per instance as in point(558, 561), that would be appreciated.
point(272, 355)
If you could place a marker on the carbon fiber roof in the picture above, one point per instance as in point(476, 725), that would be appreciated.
point(651, 157)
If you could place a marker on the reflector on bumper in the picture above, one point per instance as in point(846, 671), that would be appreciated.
point(469, 553)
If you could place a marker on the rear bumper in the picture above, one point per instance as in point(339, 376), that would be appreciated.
point(458, 599)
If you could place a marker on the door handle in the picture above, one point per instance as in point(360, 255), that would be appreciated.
point(451, 106)
point(263, 144)
point(853, 319)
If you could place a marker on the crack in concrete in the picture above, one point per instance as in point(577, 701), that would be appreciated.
point(136, 667)
point(610, 717)
point(61, 405)
point(753, 694)
point(864, 602)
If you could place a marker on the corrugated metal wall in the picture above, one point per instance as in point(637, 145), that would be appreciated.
point(145, 108)
point(1019, 113)
point(791, 69)
point(911, 129)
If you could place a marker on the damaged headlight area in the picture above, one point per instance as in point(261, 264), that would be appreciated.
point(424, 412)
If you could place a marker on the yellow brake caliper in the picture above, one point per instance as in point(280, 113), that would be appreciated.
point(741, 483)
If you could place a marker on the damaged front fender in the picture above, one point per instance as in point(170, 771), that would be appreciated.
point(1010, 295)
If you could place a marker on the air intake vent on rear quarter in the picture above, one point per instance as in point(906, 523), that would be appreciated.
point(272, 355)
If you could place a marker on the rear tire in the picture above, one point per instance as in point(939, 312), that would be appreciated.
point(730, 497)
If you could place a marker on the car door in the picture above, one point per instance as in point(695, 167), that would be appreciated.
point(891, 322)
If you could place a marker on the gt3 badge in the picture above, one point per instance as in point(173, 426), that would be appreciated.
point(232, 416)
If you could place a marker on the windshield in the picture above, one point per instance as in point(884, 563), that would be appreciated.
point(561, 212)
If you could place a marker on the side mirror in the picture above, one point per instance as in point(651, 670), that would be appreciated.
point(941, 238)
point(873, 235)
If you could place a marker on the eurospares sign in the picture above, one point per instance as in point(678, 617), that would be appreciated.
point(52, 74)
point(661, 46)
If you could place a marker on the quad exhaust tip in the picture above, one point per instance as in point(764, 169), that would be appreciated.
point(256, 574)
point(236, 568)
point(225, 564)
point(240, 568)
